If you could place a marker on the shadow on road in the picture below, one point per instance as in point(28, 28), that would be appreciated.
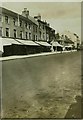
point(75, 109)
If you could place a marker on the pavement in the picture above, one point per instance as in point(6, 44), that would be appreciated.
point(33, 55)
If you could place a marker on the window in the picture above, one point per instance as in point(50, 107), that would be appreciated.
point(7, 32)
point(30, 36)
point(40, 34)
point(14, 21)
point(21, 34)
point(20, 23)
point(26, 25)
point(36, 37)
point(36, 29)
point(6, 19)
point(14, 33)
point(43, 35)
point(29, 26)
point(43, 27)
point(26, 35)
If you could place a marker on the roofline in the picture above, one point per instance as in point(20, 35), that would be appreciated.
point(41, 21)
point(11, 13)
point(46, 25)
point(7, 11)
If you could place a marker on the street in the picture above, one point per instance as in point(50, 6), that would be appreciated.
point(41, 87)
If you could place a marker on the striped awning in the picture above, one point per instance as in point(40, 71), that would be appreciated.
point(27, 42)
point(43, 43)
point(7, 42)
point(56, 44)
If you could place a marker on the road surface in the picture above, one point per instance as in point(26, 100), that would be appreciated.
point(41, 87)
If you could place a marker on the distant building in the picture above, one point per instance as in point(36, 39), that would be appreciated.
point(66, 42)
point(73, 37)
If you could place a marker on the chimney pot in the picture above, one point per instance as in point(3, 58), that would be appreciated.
point(25, 9)
point(25, 12)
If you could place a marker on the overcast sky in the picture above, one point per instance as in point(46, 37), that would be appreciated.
point(61, 15)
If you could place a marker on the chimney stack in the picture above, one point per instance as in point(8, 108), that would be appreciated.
point(38, 17)
point(25, 9)
point(25, 12)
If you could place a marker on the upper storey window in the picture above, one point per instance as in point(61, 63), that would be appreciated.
point(14, 21)
point(29, 26)
point(20, 23)
point(6, 19)
point(7, 32)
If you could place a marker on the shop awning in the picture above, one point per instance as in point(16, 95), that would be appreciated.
point(27, 42)
point(5, 42)
point(56, 44)
point(43, 43)
point(8, 41)
point(69, 46)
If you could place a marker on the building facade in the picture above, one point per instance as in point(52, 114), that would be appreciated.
point(18, 26)
point(23, 29)
point(14, 25)
point(45, 32)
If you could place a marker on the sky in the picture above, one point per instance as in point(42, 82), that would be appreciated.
point(62, 16)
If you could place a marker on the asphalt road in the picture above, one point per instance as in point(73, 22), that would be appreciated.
point(41, 87)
